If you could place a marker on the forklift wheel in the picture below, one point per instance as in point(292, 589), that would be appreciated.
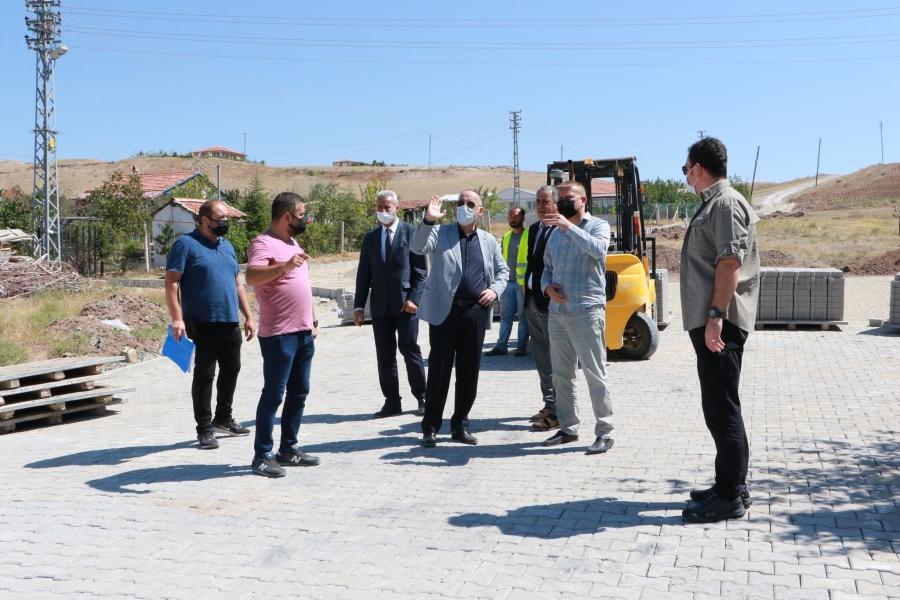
point(640, 338)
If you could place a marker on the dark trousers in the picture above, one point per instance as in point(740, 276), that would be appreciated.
point(459, 337)
point(215, 343)
point(720, 375)
point(287, 363)
point(391, 332)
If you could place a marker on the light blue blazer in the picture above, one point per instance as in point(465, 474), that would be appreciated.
point(442, 242)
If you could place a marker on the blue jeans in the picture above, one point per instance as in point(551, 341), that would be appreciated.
point(512, 302)
point(287, 361)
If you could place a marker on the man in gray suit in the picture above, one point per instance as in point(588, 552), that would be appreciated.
point(467, 276)
point(396, 278)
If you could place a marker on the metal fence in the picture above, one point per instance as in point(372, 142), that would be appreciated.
point(81, 245)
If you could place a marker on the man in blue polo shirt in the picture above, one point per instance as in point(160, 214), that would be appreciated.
point(205, 267)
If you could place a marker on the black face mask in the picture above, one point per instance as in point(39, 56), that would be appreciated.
point(299, 228)
point(567, 208)
point(221, 227)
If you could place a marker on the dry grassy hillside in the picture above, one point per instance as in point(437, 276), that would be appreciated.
point(411, 183)
point(878, 185)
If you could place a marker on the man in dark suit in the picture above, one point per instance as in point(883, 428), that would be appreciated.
point(537, 307)
point(396, 278)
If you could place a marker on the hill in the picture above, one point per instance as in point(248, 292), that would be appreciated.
point(411, 183)
point(878, 185)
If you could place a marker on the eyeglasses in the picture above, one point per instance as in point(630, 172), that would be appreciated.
point(685, 170)
point(470, 204)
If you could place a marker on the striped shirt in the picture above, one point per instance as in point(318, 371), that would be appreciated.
point(576, 260)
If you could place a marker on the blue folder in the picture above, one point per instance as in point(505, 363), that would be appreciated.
point(181, 353)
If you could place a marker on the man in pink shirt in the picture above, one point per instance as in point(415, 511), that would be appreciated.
point(276, 267)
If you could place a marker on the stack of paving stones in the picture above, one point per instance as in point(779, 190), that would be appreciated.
point(895, 301)
point(661, 312)
point(791, 297)
point(49, 389)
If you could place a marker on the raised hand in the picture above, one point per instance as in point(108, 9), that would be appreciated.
point(434, 212)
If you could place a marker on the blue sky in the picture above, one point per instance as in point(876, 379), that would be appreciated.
point(315, 82)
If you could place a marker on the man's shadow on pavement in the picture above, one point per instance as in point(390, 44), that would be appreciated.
point(581, 517)
point(105, 456)
point(176, 473)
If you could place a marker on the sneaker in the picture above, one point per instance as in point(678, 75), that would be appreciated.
point(713, 509)
point(295, 458)
point(229, 427)
point(700, 495)
point(207, 440)
point(266, 466)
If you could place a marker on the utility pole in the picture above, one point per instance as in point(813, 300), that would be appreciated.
point(701, 132)
point(818, 156)
point(881, 133)
point(245, 144)
point(429, 151)
point(515, 129)
point(753, 181)
point(44, 30)
point(560, 153)
point(218, 182)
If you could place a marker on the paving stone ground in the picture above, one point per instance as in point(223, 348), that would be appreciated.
point(127, 506)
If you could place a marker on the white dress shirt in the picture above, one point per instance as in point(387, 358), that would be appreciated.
point(384, 229)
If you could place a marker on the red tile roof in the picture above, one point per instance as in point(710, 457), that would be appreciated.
point(193, 205)
point(218, 150)
point(155, 184)
point(413, 204)
point(600, 187)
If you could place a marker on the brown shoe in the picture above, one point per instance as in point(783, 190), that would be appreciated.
point(545, 412)
point(546, 424)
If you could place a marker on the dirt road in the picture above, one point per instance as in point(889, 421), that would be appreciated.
point(781, 197)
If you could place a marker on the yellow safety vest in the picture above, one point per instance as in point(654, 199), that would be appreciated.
point(521, 259)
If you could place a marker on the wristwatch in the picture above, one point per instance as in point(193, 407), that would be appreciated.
point(714, 313)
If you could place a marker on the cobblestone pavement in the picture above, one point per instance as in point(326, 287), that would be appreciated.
point(127, 506)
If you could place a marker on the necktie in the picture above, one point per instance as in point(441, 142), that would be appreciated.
point(387, 246)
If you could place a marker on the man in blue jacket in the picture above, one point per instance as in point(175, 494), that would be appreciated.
point(204, 266)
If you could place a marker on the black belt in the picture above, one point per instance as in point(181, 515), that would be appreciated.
point(464, 302)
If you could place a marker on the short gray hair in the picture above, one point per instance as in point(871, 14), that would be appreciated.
point(548, 188)
point(386, 194)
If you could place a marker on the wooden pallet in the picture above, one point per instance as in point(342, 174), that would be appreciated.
point(792, 325)
point(55, 417)
point(52, 388)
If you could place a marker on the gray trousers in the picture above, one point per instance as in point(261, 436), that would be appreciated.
point(540, 345)
point(580, 336)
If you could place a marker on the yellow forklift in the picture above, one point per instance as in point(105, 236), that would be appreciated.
point(631, 332)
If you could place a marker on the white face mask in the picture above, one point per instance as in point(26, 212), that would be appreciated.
point(385, 218)
point(687, 177)
point(465, 215)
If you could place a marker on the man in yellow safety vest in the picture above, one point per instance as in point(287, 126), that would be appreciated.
point(512, 302)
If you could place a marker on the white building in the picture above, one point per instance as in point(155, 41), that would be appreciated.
point(526, 197)
point(182, 214)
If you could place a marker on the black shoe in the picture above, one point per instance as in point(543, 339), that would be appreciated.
point(700, 495)
point(713, 509)
point(520, 353)
point(207, 440)
point(561, 438)
point(421, 410)
point(429, 440)
point(295, 458)
point(601, 445)
point(495, 352)
point(229, 427)
point(464, 437)
point(266, 466)
point(388, 411)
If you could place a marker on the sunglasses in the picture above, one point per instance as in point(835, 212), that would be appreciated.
point(470, 204)
point(685, 170)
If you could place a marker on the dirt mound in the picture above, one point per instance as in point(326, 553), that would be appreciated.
point(134, 311)
point(669, 258)
point(90, 337)
point(775, 258)
point(878, 185)
point(668, 233)
point(886, 264)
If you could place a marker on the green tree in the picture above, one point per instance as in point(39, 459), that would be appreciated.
point(491, 202)
point(666, 191)
point(740, 185)
point(327, 207)
point(15, 210)
point(368, 193)
point(165, 239)
point(120, 203)
point(257, 207)
point(199, 187)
